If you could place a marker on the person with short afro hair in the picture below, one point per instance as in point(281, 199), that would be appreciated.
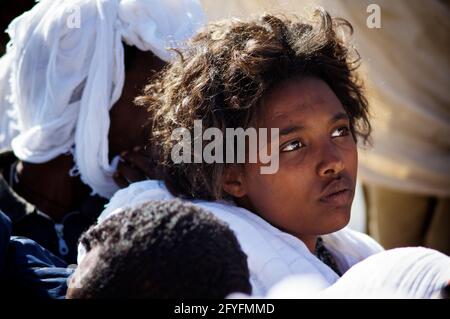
point(160, 249)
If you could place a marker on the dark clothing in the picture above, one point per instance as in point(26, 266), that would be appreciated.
point(5, 235)
point(60, 238)
point(27, 269)
point(325, 256)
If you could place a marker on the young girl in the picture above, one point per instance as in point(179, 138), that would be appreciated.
point(275, 73)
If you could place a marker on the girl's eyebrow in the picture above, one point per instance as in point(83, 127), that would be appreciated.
point(291, 129)
point(339, 116)
point(295, 128)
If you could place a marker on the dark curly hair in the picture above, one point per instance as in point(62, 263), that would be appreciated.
point(226, 71)
point(164, 249)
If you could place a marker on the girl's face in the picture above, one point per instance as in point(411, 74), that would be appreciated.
point(312, 191)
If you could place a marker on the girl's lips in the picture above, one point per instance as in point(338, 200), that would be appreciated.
point(338, 192)
point(339, 198)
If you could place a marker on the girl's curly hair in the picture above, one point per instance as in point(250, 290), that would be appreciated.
point(227, 69)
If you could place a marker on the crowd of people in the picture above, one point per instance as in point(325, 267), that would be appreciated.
point(93, 204)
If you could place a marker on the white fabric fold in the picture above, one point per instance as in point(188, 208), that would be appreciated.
point(272, 254)
point(64, 70)
point(411, 272)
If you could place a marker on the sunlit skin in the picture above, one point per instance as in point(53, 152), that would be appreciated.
point(312, 192)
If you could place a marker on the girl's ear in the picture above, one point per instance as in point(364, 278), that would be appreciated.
point(233, 181)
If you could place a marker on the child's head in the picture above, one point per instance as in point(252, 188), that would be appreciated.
point(160, 249)
point(273, 72)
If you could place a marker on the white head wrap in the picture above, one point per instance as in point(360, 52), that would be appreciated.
point(64, 70)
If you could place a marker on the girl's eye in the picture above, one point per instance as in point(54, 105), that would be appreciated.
point(292, 146)
point(341, 131)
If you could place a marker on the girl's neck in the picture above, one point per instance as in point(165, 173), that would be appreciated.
point(310, 241)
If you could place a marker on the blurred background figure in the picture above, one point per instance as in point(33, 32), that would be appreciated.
point(406, 66)
point(67, 82)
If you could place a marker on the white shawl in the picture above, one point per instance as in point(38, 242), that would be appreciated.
point(272, 254)
point(411, 272)
point(64, 69)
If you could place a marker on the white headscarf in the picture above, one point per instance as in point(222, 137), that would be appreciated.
point(64, 69)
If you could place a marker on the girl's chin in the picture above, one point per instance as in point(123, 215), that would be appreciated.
point(338, 221)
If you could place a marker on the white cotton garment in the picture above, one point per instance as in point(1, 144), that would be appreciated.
point(410, 272)
point(272, 254)
point(64, 70)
